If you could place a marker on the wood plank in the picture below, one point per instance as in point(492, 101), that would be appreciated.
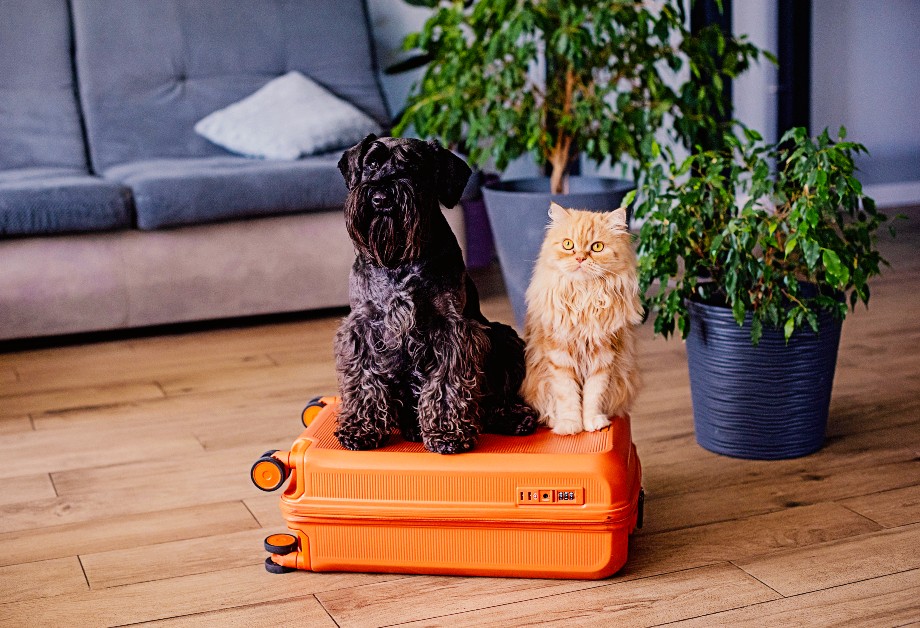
point(890, 444)
point(296, 613)
point(268, 338)
point(10, 425)
point(718, 504)
point(644, 602)
point(889, 508)
point(41, 579)
point(224, 408)
point(74, 356)
point(425, 597)
point(50, 377)
point(163, 599)
point(278, 425)
point(309, 376)
point(670, 473)
point(838, 562)
point(7, 376)
point(886, 601)
point(742, 538)
point(26, 488)
point(176, 558)
point(100, 535)
point(170, 483)
point(266, 510)
point(884, 406)
point(77, 397)
point(79, 447)
point(220, 475)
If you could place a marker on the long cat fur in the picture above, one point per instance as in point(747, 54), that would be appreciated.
point(581, 346)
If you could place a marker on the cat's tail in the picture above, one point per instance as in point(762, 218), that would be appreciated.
point(505, 411)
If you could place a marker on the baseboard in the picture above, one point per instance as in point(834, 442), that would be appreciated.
point(894, 194)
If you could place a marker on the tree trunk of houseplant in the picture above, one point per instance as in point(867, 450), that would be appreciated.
point(518, 215)
point(763, 402)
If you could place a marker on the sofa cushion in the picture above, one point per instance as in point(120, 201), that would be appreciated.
point(172, 192)
point(39, 118)
point(287, 117)
point(149, 71)
point(40, 201)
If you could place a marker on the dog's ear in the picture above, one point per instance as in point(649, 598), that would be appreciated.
point(452, 174)
point(350, 163)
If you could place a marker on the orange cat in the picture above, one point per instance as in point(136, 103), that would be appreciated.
point(582, 304)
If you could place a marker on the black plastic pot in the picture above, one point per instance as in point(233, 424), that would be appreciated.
point(518, 215)
point(767, 402)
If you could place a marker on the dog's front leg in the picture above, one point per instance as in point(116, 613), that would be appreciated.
point(368, 411)
point(449, 406)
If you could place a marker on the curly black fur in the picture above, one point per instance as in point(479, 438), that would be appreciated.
point(416, 354)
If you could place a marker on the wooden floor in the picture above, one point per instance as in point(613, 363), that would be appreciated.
point(126, 496)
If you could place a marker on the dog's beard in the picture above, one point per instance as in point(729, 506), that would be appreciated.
point(389, 238)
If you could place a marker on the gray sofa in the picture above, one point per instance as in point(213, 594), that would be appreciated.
point(114, 213)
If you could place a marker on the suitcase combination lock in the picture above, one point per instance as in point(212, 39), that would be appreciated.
point(532, 496)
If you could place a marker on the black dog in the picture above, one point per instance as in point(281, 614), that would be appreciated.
point(415, 353)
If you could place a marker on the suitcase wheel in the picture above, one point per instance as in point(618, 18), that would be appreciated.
point(273, 567)
point(313, 407)
point(281, 543)
point(268, 473)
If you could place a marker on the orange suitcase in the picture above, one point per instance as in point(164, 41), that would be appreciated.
point(542, 506)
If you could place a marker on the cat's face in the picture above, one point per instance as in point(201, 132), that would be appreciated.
point(586, 244)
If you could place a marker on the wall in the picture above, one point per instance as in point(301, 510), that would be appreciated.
point(865, 76)
point(754, 92)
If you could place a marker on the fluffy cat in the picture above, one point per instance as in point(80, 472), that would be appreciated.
point(582, 304)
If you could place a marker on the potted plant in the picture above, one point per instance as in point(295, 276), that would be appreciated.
point(558, 79)
point(755, 265)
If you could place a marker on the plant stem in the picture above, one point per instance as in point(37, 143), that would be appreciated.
point(561, 153)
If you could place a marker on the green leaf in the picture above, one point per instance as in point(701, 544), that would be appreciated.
point(836, 271)
point(756, 330)
point(738, 311)
point(629, 198)
point(789, 327)
point(812, 250)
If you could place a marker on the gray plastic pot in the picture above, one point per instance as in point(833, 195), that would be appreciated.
point(766, 402)
point(518, 215)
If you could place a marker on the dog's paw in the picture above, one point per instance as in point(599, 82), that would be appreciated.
point(360, 442)
point(596, 422)
point(566, 426)
point(517, 419)
point(528, 420)
point(411, 434)
point(448, 443)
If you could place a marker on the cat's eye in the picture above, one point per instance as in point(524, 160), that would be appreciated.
point(597, 247)
point(568, 245)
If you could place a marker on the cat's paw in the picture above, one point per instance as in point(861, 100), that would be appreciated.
point(566, 426)
point(596, 422)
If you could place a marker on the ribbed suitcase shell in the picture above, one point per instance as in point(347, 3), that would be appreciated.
point(401, 509)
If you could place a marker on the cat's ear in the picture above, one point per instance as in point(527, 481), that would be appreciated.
point(617, 218)
point(557, 212)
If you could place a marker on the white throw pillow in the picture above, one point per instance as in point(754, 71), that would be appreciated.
point(287, 117)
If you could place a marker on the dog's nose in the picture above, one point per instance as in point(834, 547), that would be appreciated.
point(378, 199)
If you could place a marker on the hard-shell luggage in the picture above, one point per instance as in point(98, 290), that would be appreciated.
point(544, 506)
